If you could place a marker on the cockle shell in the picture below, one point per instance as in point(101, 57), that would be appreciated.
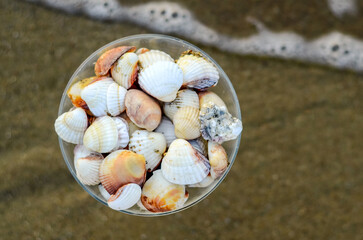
point(103, 192)
point(132, 126)
point(108, 58)
point(141, 51)
point(122, 167)
point(87, 168)
point(70, 126)
point(123, 132)
point(218, 159)
point(198, 73)
point(150, 57)
point(151, 145)
point(183, 164)
point(200, 145)
point(143, 110)
point(161, 80)
point(205, 183)
point(184, 98)
point(124, 71)
point(207, 96)
point(159, 195)
point(95, 95)
point(166, 127)
point(125, 197)
point(115, 99)
point(102, 135)
point(186, 123)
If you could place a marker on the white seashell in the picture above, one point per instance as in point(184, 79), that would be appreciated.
point(102, 135)
point(124, 71)
point(166, 127)
point(103, 192)
point(95, 95)
point(197, 71)
point(186, 123)
point(87, 169)
point(151, 145)
point(125, 197)
point(183, 164)
point(70, 126)
point(184, 98)
point(161, 80)
point(200, 145)
point(123, 132)
point(159, 195)
point(218, 159)
point(205, 183)
point(207, 96)
point(115, 99)
point(150, 57)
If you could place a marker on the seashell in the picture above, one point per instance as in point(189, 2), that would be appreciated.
point(159, 195)
point(166, 127)
point(123, 132)
point(80, 151)
point(218, 159)
point(122, 167)
point(125, 197)
point(95, 95)
point(151, 145)
point(115, 99)
point(186, 123)
point(103, 192)
point(143, 110)
point(124, 71)
point(87, 169)
point(70, 126)
point(183, 164)
point(141, 51)
point(200, 145)
point(108, 58)
point(147, 58)
point(205, 183)
point(161, 80)
point(208, 96)
point(102, 135)
point(198, 73)
point(184, 98)
point(132, 126)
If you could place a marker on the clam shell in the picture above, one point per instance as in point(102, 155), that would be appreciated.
point(124, 71)
point(115, 99)
point(161, 80)
point(143, 110)
point(207, 96)
point(123, 132)
point(218, 159)
point(87, 169)
point(132, 126)
point(70, 126)
point(159, 195)
point(103, 192)
point(183, 164)
point(205, 183)
point(184, 98)
point(186, 123)
point(166, 127)
point(151, 145)
point(108, 58)
point(122, 167)
point(200, 145)
point(125, 197)
point(102, 135)
point(198, 73)
point(95, 95)
point(150, 57)
point(141, 51)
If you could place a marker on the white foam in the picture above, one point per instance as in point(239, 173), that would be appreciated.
point(341, 7)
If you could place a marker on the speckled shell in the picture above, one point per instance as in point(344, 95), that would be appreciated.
point(186, 123)
point(205, 183)
point(151, 145)
point(122, 167)
point(132, 126)
point(183, 164)
point(159, 195)
point(200, 145)
point(103, 192)
point(166, 127)
point(124, 71)
point(70, 126)
point(123, 132)
point(115, 99)
point(161, 80)
point(102, 135)
point(208, 96)
point(184, 98)
point(218, 159)
point(150, 57)
point(125, 197)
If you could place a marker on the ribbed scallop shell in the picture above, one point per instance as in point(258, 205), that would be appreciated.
point(198, 73)
point(183, 164)
point(115, 99)
point(123, 132)
point(70, 126)
point(159, 195)
point(74, 92)
point(207, 96)
point(186, 123)
point(87, 169)
point(161, 80)
point(184, 98)
point(95, 95)
point(218, 159)
point(122, 167)
point(132, 126)
point(151, 145)
point(205, 183)
point(166, 127)
point(103, 192)
point(102, 135)
point(124, 71)
point(150, 57)
point(200, 145)
point(125, 197)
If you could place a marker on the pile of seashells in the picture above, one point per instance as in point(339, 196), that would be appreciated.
point(121, 133)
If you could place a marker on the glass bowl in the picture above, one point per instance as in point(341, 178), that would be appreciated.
point(174, 47)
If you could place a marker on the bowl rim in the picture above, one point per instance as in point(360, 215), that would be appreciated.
point(147, 36)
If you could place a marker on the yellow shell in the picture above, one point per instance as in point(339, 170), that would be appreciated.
point(184, 98)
